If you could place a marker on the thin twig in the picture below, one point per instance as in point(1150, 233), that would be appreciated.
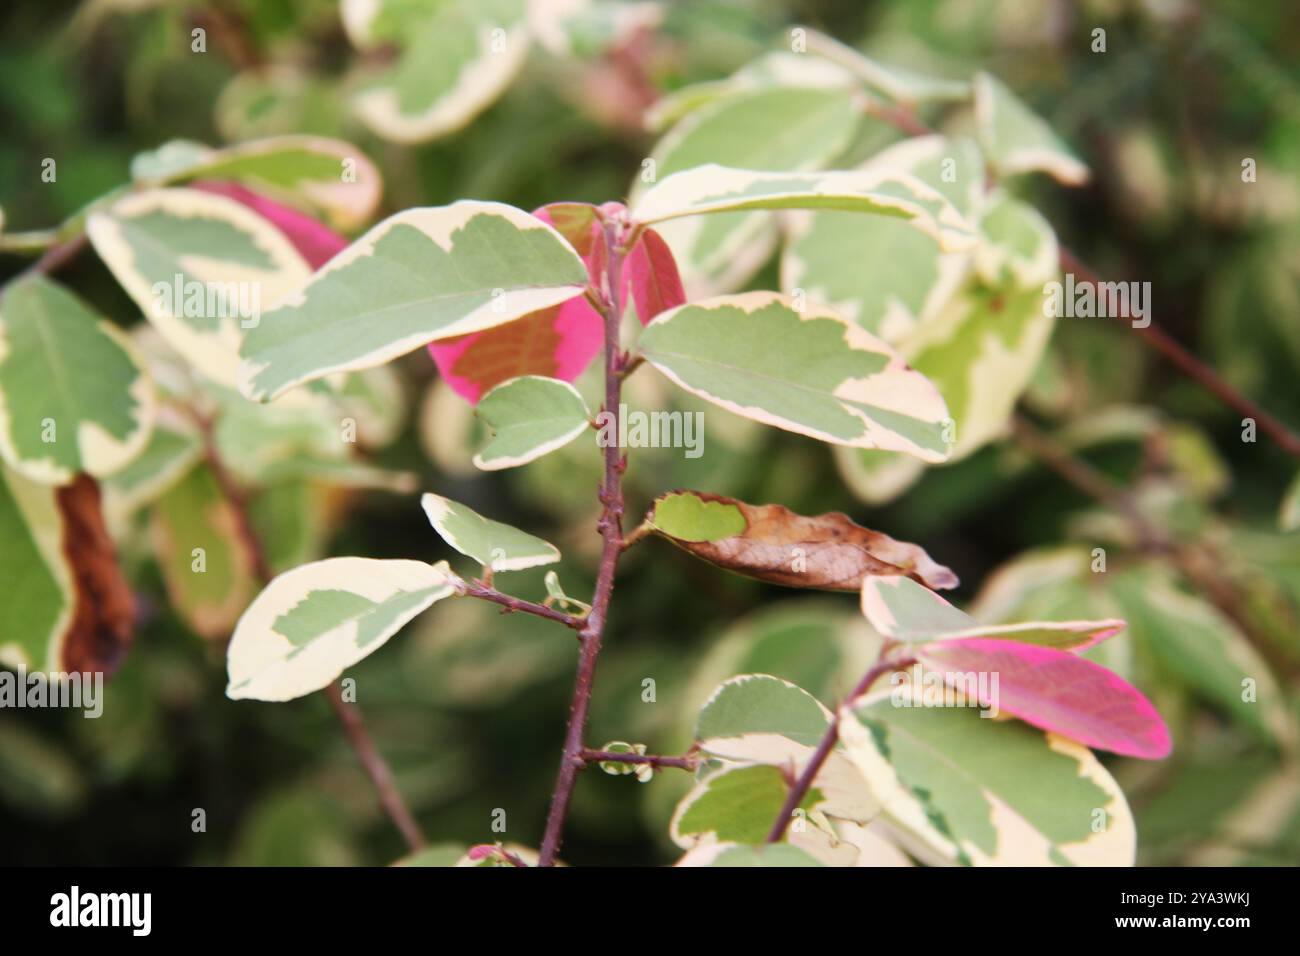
point(349, 715)
point(687, 762)
point(509, 603)
point(375, 766)
point(800, 788)
point(611, 531)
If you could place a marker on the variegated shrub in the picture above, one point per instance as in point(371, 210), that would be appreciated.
point(227, 428)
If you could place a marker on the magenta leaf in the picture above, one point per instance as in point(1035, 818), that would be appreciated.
point(315, 242)
point(1054, 690)
point(652, 275)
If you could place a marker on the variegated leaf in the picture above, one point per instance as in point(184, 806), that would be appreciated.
point(775, 128)
point(457, 56)
point(328, 175)
point(713, 188)
point(880, 272)
point(1016, 140)
point(200, 267)
point(807, 371)
point(74, 395)
point(529, 417)
point(898, 84)
point(315, 242)
point(745, 855)
point(984, 792)
point(313, 622)
point(779, 69)
point(173, 449)
point(1018, 247)
point(205, 561)
point(756, 718)
point(981, 351)
point(418, 276)
point(902, 610)
point(492, 544)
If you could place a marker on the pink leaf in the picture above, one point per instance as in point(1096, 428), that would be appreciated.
point(651, 273)
point(1054, 690)
point(315, 242)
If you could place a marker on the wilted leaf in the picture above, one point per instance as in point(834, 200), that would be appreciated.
point(772, 543)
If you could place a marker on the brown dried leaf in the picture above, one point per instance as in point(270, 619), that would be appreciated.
point(772, 543)
point(103, 615)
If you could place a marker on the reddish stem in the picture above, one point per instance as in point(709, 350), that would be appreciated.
point(611, 531)
point(509, 603)
point(832, 736)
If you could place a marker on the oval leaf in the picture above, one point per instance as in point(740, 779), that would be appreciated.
point(74, 396)
point(492, 544)
point(529, 416)
point(984, 792)
point(807, 371)
point(418, 276)
point(772, 543)
point(200, 267)
point(313, 622)
point(1054, 690)
point(1016, 140)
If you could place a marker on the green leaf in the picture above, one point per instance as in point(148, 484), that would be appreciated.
point(981, 352)
point(713, 188)
point(1019, 247)
point(740, 855)
point(74, 396)
point(898, 84)
point(774, 128)
point(737, 804)
point(205, 563)
point(968, 790)
point(805, 371)
point(1198, 644)
point(37, 609)
point(174, 447)
point(328, 175)
point(529, 416)
point(418, 276)
point(457, 57)
point(688, 517)
point(199, 266)
point(313, 622)
point(902, 610)
point(877, 271)
point(1016, 140)
point(760, 704)
point(1288, 518)
point(492, 544)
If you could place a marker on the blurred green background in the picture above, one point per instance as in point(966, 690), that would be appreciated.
point(469, 705)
